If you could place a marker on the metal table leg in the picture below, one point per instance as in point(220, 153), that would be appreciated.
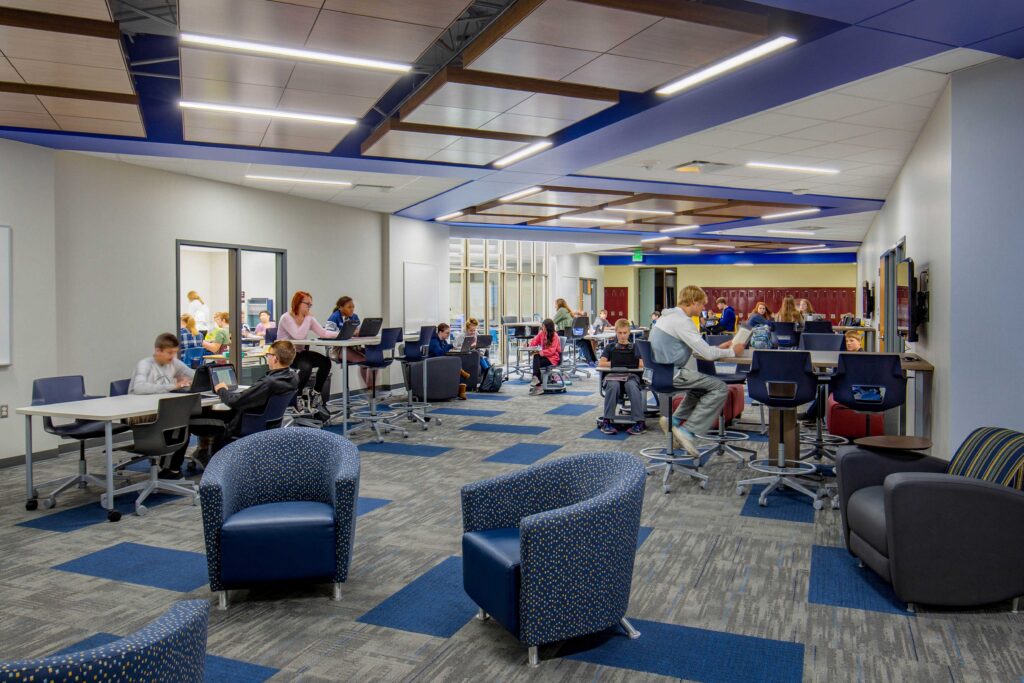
point(31, 495)
point(344, 391)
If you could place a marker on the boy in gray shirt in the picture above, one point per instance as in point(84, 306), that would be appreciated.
point(163, 371)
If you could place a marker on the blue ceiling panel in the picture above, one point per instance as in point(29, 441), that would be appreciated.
point(1008, 44)
point(954, 22)
point(848, 11)
point(729, 259)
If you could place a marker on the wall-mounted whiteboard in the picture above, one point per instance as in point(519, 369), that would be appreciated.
point(6, 285)
point(420, 295)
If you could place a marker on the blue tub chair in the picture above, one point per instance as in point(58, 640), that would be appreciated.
point(280, 505)
point(172, 648)
point(548, 551)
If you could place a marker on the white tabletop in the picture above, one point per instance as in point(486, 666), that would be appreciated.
point(108, 408)
point(352, 341)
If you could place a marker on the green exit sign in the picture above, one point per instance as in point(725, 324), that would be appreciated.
point(638, 256)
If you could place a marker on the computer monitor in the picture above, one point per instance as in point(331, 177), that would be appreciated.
point(906, 300)
point(867, 301)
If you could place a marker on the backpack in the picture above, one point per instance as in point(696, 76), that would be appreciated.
point(761, 337)
point(492, 380)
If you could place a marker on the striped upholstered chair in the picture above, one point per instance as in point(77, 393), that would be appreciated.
point(172, 648)
point(548, 551)
point(942, 533)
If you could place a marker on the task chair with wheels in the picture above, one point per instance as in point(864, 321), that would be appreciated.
point(553, 378)
point(414, 352)
point(377, 358)
point(783, 381)
point(666, 458)
point(63, 390)
point(724, 439)
point(159, 439)
point(573, 337)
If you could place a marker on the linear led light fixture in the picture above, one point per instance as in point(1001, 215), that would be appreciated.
point(801, 233)
point(310, 181)
point(291, 53)
point(712, 245)
point(813, 251)
point(790, 167)
point(522, 193)
point(656, 239)
point(787, 214)
point(807, 246)
point(681, 250)
point(726, 65)
point(681, 228)
point(581, 219)
point(270, 113)
point(645, 212)
point(527, 151)
point(449, 216)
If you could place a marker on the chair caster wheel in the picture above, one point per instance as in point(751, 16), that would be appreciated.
point(49, 503)
point(666, 489)
point(31, 504)
point(195, 501)
point(113, 516)
point(740, 490)
point(35, 493)
point(704, 485)
point(819, 504)
point(762, 502)
point(835, 503)
point(141, 510)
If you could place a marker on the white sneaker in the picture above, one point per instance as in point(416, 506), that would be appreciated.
point(536, 390)
point(685, 439)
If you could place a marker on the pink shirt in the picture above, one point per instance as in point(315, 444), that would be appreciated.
point(553, 352)
point(292, 331)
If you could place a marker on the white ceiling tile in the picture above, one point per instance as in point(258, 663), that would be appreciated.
point(624, 73)
point(881, 156)
point(315, 4)
point(357, 82)
point(101, 126)
point(325, 103)
point(484, 98)
point(62, 106)
point(897, 116)
point(457, 156)
point(722, 137)
point(581, 26)
point(954, 60)
point(225, 92)
point(835, 150)
point(768, 123)
point(886, 139)
point(73, 75)
point(450, 116)
point(526, 125)
point(225, 122)
point(834, 131)
point(829, 107)
point(163, 163)
point(27, 119)
point(896, 85)
point(520, 58)
point(48, 46)
point(288, 135)
point(361, 36)
point(221, 136)
point(269, 22)
point(87, 9)
point(876, 170)
point(684, 43)
point(558, 107)
point(485, 146)
point(222, 66)
point(436, 13)
point(19, 102)
point(779, 144)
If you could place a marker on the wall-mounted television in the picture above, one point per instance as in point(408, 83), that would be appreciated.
point(867, 301)
point(907, 310)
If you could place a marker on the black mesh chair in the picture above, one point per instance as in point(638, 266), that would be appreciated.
point(572, 338)
point(414, 352)
point(159, 439)
point(379, 357)
point(724, 439)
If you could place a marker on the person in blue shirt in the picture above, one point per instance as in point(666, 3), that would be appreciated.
point(760, 315)
point(727, 321)
point(345, 310)
point(654, 318)
point(439, 346)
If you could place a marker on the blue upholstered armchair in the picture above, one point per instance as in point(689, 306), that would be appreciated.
point(548, 551)
point(172, 648)
point(280, 505)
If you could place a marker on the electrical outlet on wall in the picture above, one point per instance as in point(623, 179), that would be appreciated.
point(3, 411)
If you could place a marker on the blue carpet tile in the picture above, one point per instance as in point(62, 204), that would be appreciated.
point(837, 580)
point(218, 669)
point(83, 516)
point(598, 434)
point(433, 604)
point(144, 565)
point(523, 453)
point(571, 392)
point(691, 653)
point(489, 397)
point(752, 436)
point(471, 412)
point(504, 428)
point(784, 504)
point(367, 505)
point(405, 449)
point(645, 531)
point(574, 409)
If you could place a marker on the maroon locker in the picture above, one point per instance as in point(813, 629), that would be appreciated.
point(616, 300)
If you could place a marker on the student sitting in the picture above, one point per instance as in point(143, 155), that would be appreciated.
point(655, 316)
point(188, 335)
point(550, 353)
point(265, 324)
point(440, 346)
point(296, 325)
point(602, 322)
point(622, 353)
point(161, 372)
point(216, 427)
point(760, 316)
point(218, 339)
point(472, 333)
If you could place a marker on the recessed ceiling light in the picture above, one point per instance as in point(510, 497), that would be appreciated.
point(515, 156)
point(729, 64)
point(806, 246)
point(640, 211)
point(291, 53)
point(270, 113)
point(743, 265)
point(812, 251)
point(713, 245)
point(680, 228)
point(310, 181)
point(449, 216)
point(789, 167)
point(787, 214)
point(519, 195)
point(595, 219)
point(801, 233)
point(656, 239)
point(681, 250)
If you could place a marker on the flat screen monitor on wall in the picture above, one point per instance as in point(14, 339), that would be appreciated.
point(867, 302)
point(906, 298)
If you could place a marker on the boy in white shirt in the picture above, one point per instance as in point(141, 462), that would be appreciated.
point(674, 340)
point(161, 372)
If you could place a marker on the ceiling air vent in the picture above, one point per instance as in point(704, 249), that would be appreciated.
point(698, 166)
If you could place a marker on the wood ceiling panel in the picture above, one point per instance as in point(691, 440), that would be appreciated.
point(684, 43)
point(625, 73)
point(527, 125)
point(48, 46)
point(532, 59)
point(236, 124)
point(62, 106)
point(482, 98)
point(325, 103)
point(7, 72)
point(27, 119)
point(357, 82)
point(667, 204)
point(101, 126)
point(244, 94)
point(73, 76)
point(436, 13)
point(360, 36)
point(487, 218)
point(669, 221)
point(222, 66)
point(268, 22)
point(750, 210)
point(87, 9)
point(557, 107)
point(19, 102)
point(450, 116)
point(534, 211)
point(583, 27)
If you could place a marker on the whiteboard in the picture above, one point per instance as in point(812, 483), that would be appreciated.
point(420, 296)
point(6, 284)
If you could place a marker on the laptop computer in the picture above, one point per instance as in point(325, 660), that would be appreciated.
point(225, 374)
point(200, 382)
point(347, 330)
point(371, 327)
point(483, 341)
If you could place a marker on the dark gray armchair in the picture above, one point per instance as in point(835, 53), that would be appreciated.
point(443, 377)
point(942, 533)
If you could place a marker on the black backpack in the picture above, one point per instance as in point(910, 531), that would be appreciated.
point(492, 380)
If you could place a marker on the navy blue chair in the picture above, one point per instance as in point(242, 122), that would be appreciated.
point(171, 648)
point(824, 341)
point(64, 389)
point(193, 357)
point(659, 377)
point(119, 387)
point(270, 335)
point(783, 381)
point(869, 383)
point(548, 551)
point(822, 444)
point(271, 417)
point(784, 335)
point(280, 505)
point(379, 357)
point(818, 327)
point(414, 352)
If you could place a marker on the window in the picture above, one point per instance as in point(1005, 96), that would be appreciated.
point(493, 254)
point(493, 300)
point(457, 254)
point(526, 256)
point(476, 253)
point(476, 296)
point(512, 257)
point(527, 297)
point(512, 293)
point(456, 301)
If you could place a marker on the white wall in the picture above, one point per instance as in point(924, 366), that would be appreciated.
point(26, 204)
point(566, 265)
point(918, 208)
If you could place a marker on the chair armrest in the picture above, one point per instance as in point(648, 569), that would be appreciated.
point(217, 493)
point(954, 540)
point(345, 496)
point(501, 502)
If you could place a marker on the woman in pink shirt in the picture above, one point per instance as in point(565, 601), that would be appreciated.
point(550, 345)
point(295, 326)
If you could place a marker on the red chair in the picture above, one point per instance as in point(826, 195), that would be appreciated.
point(849, 423)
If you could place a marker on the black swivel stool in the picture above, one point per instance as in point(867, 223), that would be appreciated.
point(823, 445)
point(724, 439)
